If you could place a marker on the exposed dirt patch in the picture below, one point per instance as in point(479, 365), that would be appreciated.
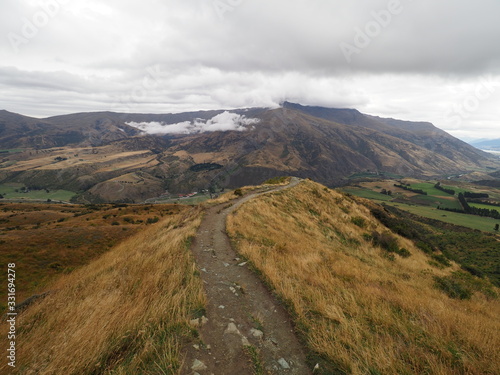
point(245, 320)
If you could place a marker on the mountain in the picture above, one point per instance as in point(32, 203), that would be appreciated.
point(487, 144)
point(107, 156)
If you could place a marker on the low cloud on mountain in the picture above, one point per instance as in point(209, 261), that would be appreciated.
point(222, 122)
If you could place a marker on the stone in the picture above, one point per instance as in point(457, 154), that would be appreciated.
point(226, 264)
point(194, 322)
point(244, 341)
point(222, 307)
point(242, 264)
point(198, 365)
point(204, 320)
point(231, 328)
point(284, 364)
point(256, 333)
point(196, 346)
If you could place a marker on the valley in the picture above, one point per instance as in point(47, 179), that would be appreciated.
point(378, 255)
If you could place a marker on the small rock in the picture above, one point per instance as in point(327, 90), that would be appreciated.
point(209, 347)
point(231, 319)
point(231, 328)
point(204, 320)
point(283, 363)
point(222, 307)
point(194, 322)
point(316, 367)
point(242, 264)
point(198, 365)
point(204, 270)
point(237, 259)
point(232, 289)
point(196, 346)
point(226, 264)
point(244, 341)
point(256, 333)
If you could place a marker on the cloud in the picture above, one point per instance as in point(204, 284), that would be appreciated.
point(91, 56)
point(222, 122)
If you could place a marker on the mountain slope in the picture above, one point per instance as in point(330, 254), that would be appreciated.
point(365, 300)
point(325, 144)
point(423, 134)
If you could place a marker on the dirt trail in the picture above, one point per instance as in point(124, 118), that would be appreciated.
point(240, 310)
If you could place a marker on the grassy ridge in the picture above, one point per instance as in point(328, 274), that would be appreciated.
point(124, 313)
point(360, 309)
point(46, 240)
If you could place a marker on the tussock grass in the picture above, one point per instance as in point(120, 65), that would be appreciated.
point(230, 195)
point(359, 310)
point(126, 312)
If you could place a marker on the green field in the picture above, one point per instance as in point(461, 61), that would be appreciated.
point(431, 190)
point(368, 194)
point(11, 151)
point(9, 192)
point(437, 201)
point(487, 206)
point(471, 221)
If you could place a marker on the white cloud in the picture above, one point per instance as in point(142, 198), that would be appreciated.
point(91, 56)
point(222, 122)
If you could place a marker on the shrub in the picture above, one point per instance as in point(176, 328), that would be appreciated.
point(404, 253)
point(386, 241)
point(441, 259)
point(359, 221)
point(152, 220)
point(238, 192)
point(453, 288)
point(115, 223)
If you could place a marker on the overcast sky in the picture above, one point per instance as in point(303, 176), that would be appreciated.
point(436, 61)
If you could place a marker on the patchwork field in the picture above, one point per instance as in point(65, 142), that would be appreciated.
point(427, 205)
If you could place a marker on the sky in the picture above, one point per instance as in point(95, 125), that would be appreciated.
point(419, 60)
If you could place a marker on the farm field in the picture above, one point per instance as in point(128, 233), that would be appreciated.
point(426, 205)
point(470, 221)
point(13, 192)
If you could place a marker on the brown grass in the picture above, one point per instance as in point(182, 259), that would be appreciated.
point(46, 240)
point(358, 311)
point(230, 195)
point(124, 313)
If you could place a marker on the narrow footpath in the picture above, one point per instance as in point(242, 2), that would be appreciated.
point(243, 319)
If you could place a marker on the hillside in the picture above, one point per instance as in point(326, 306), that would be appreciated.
point(362, 299)
point(127, 311)
point(103, 157)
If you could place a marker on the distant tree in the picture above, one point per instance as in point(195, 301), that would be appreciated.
point(497, 226)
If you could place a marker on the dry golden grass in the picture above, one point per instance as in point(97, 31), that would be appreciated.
point(125, 313)
point(46, 240)
point(230, 195)
point(358, 311)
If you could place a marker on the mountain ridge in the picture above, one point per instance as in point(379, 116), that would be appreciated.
point(325, 144)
